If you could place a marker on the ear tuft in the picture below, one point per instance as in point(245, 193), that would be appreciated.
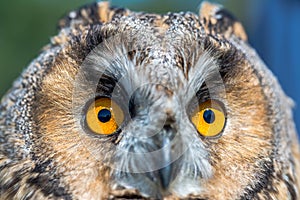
point(103, 11)
point(217, 20)
point(208, 10)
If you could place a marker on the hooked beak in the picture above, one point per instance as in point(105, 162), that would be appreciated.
point(165, 173)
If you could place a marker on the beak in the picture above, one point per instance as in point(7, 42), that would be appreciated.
point(165, 173)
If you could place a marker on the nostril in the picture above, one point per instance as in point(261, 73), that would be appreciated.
point(167, 127)
point(169, 133)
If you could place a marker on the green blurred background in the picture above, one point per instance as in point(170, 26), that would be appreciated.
point(273, 27)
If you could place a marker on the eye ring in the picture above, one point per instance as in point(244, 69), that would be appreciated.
point(103, 116)
point(209, 118)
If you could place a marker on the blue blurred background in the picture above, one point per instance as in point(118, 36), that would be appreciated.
point(273, 27)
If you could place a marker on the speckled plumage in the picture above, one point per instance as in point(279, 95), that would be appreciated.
point(162, 63)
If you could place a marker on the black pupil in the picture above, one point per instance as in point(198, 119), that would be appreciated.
point(104, 115)
point(209, 116)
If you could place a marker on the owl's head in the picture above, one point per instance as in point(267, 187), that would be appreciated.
point(134, 105)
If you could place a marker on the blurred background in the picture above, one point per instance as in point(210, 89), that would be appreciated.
point(273, 27)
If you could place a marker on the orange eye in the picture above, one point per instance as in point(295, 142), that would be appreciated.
point(209, 118)
point(104, 116)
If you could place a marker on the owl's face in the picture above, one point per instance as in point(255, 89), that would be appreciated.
point(144, 105)
point(158, 106)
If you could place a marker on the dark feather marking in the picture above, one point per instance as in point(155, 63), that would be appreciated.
point(265, 178)
point(291, 189)
point(92, 13)
point(48, 185)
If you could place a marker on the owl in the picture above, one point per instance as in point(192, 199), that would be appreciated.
point(132, 105)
